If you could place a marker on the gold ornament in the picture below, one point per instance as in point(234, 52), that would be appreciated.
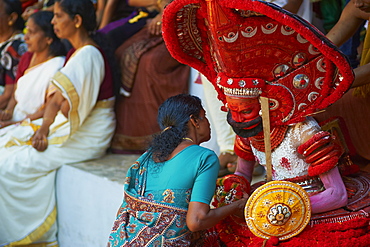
point(278, 209)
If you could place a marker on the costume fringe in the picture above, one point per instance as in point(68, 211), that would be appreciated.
point(355, 233)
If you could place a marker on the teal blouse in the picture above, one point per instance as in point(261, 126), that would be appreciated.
point(189, 176)
point(157, 196)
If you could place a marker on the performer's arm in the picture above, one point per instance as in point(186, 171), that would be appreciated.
point(334, 196)
point(245, 168)
point(322, 153)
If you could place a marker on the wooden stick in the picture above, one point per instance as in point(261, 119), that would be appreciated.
point(266, 134)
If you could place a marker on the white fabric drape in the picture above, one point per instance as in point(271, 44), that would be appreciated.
point(27, 190)
point(32, 87)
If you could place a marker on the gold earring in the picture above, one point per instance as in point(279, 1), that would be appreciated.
point(10, 23)
point(77, 26)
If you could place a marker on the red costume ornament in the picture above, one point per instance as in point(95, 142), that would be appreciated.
point(257, 49)
point(250, 49)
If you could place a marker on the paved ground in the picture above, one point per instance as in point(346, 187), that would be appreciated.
point(111, 166)
point(114, 167)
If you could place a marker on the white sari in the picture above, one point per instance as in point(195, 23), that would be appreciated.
point(27, 197)
point(35, 83)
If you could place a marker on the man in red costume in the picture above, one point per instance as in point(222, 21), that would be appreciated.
point(257, 54)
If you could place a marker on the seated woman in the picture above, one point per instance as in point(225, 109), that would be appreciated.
point(146, 83)
point(166, 213)
point(12, 47)
point(81, 129)
point(44, 58)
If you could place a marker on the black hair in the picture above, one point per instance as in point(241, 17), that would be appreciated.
point(173, 117)
point(83, 8)
point(15, 6)
point(86, 9)
point(43, 20)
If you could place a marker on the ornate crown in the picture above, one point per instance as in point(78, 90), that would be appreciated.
point(250, 48)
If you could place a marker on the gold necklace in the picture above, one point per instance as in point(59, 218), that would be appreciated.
point(187, 138)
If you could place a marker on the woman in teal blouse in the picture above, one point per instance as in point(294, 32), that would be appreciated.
point(169, 188)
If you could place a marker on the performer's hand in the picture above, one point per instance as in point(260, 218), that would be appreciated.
point(322, 151)
point(39, 140)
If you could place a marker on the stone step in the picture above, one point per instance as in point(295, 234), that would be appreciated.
point(88, 197)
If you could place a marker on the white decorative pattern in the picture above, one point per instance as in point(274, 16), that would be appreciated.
point(301, 106)
point(321, 65)
point(301, 39)
point(313, 50)
point(318, 82)
point(285, 30)
point(286, 161)
point(249, 32)
point(313, 96)
point(269, 28)
point(231, 37)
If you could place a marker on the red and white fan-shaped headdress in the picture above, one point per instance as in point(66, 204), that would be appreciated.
point(250, 48)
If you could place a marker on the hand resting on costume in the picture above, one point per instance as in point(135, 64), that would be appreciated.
point(200, 216)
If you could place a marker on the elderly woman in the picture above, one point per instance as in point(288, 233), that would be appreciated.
point(81, 122)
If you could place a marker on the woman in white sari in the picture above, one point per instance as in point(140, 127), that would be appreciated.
point(77, 125)
point(45, 56)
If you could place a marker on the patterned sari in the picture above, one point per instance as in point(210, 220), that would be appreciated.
point(154, 214)
point(145, 222)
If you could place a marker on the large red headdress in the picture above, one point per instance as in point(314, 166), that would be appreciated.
point(250, 48)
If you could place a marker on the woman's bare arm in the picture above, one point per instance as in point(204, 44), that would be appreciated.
point(200, 216)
